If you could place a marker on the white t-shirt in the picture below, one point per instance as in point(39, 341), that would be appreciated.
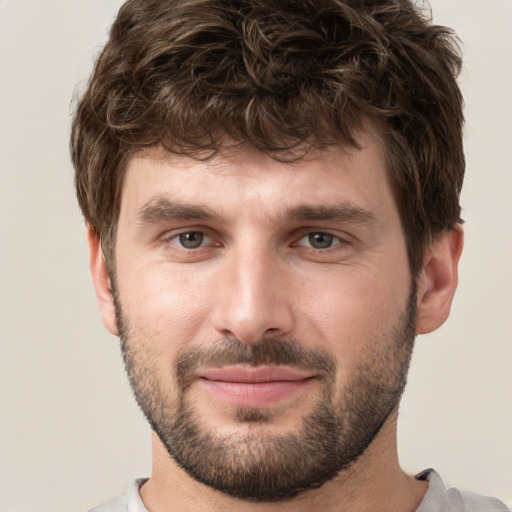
point(437, 499)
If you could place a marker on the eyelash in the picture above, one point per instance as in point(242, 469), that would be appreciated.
point(176, 239)
point(332, 240)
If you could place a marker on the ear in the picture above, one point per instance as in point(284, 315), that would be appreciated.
point(101, 280)
point(438, 280)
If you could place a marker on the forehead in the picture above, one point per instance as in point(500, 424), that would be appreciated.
point(245, 174)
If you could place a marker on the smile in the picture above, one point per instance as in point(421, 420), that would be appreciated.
point(254, 387)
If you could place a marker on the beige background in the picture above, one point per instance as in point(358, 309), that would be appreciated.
point(70, 434)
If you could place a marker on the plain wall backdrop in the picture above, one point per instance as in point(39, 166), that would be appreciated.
point(71, 435)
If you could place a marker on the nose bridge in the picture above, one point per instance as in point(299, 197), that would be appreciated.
point(255, 301)
point(253, 284)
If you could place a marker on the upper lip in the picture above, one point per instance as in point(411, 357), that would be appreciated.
point(254, 374)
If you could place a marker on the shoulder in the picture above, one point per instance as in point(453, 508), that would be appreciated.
point(128, 502)
point(440, 499)
point(476, 503)
point(114, 505)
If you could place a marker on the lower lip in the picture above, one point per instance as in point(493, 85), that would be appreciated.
point(254, 394)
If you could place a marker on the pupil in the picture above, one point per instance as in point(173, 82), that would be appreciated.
point(320, 240)
point(191, 240)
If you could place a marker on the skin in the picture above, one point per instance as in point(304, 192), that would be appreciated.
point(257, 275)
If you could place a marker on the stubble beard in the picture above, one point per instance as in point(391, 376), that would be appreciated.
point(257, 465)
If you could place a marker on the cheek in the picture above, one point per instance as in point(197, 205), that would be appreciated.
point(354, 312)
point(163, 307)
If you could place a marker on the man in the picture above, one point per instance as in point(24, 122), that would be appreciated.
point(272, 198)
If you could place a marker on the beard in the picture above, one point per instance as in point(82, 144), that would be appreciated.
point(257, 465)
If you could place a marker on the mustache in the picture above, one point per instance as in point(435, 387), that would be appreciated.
point(267, 352)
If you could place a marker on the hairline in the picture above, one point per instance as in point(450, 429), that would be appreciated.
point(375, 130)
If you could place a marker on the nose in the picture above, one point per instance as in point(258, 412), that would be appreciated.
point(254, 299)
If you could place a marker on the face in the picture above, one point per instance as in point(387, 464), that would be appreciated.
point(266, 312)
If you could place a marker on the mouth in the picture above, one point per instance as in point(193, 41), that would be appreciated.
point(246, 386)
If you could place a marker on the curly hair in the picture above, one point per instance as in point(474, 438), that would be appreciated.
point(285, 76)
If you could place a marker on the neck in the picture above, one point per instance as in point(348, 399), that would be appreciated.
point(374, 482)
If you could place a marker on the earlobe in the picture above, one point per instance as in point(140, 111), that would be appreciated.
point(438, 280)
point(101, 280)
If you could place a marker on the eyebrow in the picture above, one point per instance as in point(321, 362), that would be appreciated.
point(161, 209)
point(343, 212)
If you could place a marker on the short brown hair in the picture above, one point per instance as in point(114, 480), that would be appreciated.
point(282, 76)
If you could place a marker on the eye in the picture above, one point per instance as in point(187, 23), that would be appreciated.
point(190, 246)
point(191, 239)
point(319, 240)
